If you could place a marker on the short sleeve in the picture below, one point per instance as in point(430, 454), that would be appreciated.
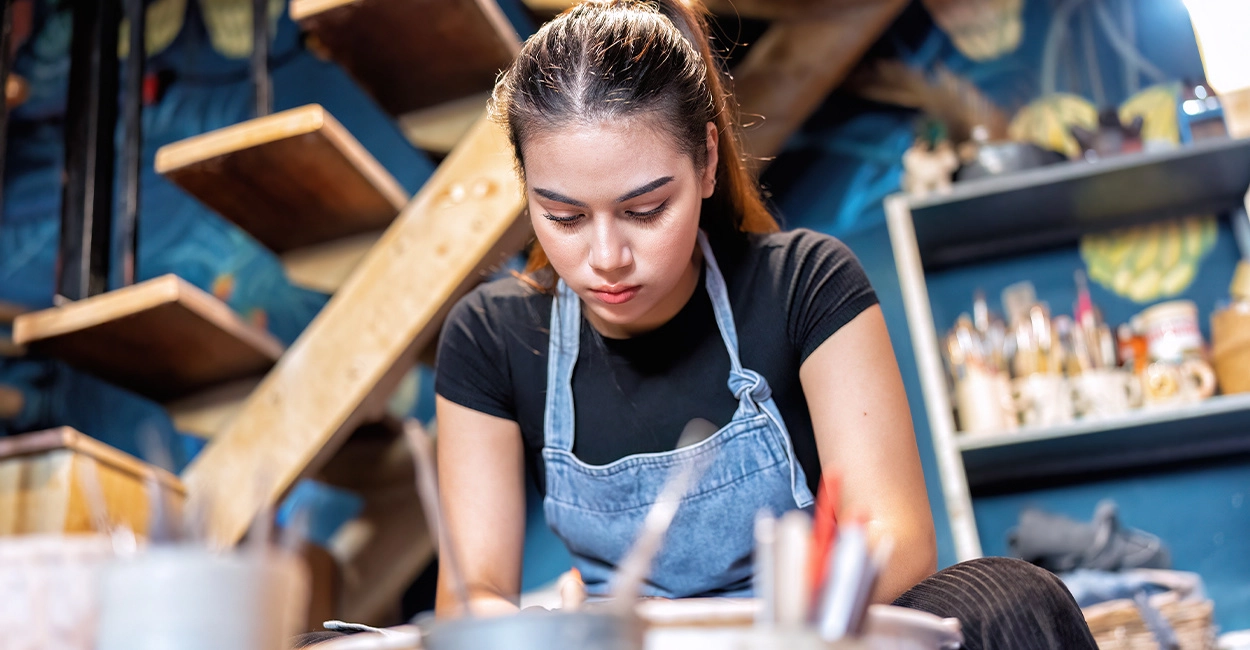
point(828, 289)
point(472, 364)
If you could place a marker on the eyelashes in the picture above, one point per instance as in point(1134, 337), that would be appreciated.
point(640, 217)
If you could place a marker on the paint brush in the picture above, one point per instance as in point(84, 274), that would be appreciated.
point(794, 536)
point(824, 531)
point(765, 580)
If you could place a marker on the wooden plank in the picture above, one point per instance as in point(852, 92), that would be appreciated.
point(780, 10)
point(795, 65)
point(325, 267)
point(163, 338)
point(290, 179)
point(349, 360)
point(413, 54)
point(208, 413)
point(41, 492)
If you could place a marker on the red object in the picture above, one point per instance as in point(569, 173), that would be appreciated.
point(824, 532)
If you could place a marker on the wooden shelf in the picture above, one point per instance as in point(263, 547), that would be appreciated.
point(41, 488)
point(413, 54)
point(291, 179)
point(1054, 205)
point(163, 338)
point(1210, 428)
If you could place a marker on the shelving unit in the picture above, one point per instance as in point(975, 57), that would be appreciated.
point(1046, 207)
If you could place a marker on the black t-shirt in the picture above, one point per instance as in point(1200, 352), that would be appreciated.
point(789, 292)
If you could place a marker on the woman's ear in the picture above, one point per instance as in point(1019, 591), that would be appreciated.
point(709, 168)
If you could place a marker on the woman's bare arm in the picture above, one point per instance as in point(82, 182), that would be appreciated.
point(865, 438)
point(481, 474)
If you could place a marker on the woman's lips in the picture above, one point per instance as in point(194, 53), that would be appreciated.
point(615, 295)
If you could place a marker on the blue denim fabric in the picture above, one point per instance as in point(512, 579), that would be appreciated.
point(598, 510)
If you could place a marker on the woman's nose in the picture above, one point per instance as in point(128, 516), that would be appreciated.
point(610, 250)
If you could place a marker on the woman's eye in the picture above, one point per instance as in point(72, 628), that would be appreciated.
point(564, 220)
point(647, 215)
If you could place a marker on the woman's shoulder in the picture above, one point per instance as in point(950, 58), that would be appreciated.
point(797, 252)
point(796, 242)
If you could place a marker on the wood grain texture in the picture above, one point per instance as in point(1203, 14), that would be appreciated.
point(41, 492)
point(349, 360)
point(163, 338)
point(795, 65)
point(290, 179)
point(413, 54)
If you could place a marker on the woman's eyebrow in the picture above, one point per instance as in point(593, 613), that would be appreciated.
point(634, 193)
point(653, 185)
point(556, 196)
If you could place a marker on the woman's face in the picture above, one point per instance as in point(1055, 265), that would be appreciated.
point(616, 208)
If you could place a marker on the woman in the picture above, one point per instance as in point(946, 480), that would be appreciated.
point(660, 297)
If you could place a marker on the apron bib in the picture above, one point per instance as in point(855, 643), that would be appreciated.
point(598, 510)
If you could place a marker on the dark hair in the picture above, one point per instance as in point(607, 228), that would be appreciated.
point(605, 59)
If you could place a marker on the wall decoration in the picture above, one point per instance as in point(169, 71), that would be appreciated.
point(1148, 263)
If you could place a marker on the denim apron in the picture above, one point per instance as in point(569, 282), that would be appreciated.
point(597, 510)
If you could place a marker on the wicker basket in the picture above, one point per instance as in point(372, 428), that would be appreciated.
point(1117, 625)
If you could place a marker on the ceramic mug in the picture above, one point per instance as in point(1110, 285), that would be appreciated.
point(191, 598)
point(1042, 399)
point(984, 403)
point(1105, 392)
point(1172, 332)
point(1165, 383)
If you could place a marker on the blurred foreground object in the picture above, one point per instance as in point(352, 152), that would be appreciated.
point(47, 597)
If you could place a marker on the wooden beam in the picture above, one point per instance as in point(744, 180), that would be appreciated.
point(349, 360)
point(413, 54)
point(794, 66)
point(163, 338)
point(325, 267)
point(291, 179)
point(779, 10)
